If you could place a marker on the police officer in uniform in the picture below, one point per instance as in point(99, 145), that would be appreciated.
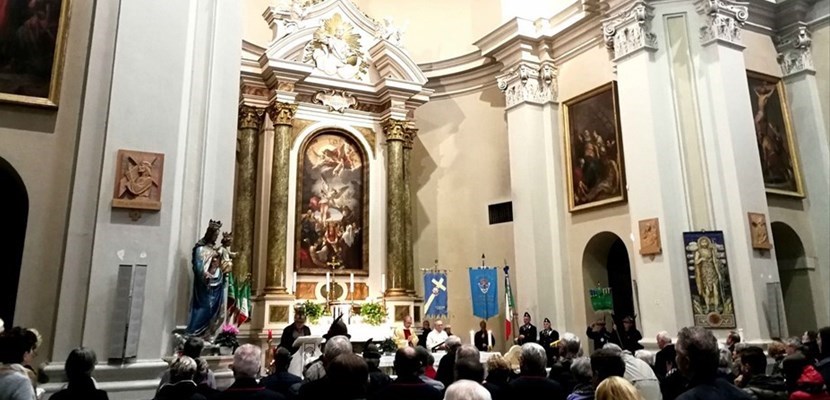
point(527, 332)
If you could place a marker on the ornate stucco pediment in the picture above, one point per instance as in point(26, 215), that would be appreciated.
point(339, 42)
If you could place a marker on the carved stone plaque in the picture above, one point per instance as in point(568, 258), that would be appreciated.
point(138, 178)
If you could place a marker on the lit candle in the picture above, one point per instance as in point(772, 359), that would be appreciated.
point(328, 284)
point(382, 283)
point(489, 339)
point(472, 337)
point(294, 284)
point(351, 282)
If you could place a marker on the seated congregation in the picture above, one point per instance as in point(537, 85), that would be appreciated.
point(695, 366)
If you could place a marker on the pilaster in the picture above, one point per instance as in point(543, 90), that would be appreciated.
point(529, 84)
point(795, 57)
point(250, 123)
point(409, 262)
point(651, 136)
point(732, 162)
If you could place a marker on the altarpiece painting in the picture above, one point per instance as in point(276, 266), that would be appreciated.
point(709, 283)
point(32, 41)
point(774, 134)
point(332, 201)
point(593, 146)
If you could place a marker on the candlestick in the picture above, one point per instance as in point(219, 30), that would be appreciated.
point(294, 283)
point(489, 339)
point(382, 284)
point(328, 285)
point(472, 337)
point(351, 283)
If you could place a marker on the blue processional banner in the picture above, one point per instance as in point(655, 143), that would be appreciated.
point(435, 293)
point(484, 288)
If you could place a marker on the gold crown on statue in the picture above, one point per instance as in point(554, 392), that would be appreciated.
point(216, 225)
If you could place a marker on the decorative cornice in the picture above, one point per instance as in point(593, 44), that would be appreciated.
point(250, 117)
point(394, 129)
point(724, 21)
point(629, 31)
point(794, 51)
point(282, 113)
point(527, 83)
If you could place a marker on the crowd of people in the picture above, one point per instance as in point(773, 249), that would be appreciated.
point(692, 366)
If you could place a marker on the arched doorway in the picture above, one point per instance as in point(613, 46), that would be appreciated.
point(14, 212)
point(605, 262)
point(795, 279)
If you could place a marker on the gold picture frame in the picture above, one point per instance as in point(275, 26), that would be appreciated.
point(595, 166)
point(27, 86)
point(774, 135)
point(309, 212)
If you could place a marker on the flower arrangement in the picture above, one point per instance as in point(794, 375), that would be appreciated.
point(227, 337)
point(312, 311)
point(373, 313)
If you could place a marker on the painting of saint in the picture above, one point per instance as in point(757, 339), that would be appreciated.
point(709, 283)
point(774, 135)
point(31, 47)
point(593, 146)
point(332, 184)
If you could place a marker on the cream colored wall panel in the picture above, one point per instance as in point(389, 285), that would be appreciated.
point(459, 166)
point(40, 145)
point(760, 54)
point(821, 60)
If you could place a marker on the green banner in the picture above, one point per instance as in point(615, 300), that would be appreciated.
point(601, 299)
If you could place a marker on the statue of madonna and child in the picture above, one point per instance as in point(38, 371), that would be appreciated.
point(211, 265)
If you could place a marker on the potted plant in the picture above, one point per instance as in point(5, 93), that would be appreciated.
point(226, 340)
point(312, 311)
point(373, 313)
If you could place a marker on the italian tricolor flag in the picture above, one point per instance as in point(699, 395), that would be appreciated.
point(508, 305)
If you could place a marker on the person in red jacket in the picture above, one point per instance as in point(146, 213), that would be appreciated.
point(803, 380)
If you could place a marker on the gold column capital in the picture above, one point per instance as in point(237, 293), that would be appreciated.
point(409, 137)
point(250, 117)
point(282, 113)
point(394, 129)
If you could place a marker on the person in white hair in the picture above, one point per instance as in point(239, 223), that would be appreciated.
point(639, 373)
point(466, 390)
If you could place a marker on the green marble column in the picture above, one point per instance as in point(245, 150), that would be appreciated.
point(249, 124)
point(282, 114)
point(409, 267)
point(395, 132)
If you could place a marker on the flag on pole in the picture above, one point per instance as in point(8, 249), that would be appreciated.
point(484, 288)
point(435, 288)
point(508, 304)
point(239, 299)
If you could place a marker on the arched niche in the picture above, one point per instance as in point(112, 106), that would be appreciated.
point(795, 279)
point(14, 212)
point(606, 262)
point(332, 204)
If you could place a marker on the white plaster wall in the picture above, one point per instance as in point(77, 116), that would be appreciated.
point(40, 145)
point(151, 110)
point(459, 166)
point(821, 60)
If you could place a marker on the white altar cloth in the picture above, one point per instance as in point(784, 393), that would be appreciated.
point(387, 361)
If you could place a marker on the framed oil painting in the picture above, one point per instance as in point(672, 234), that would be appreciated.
point(774, 135)
point(593, 147)
point(32, 41)
point(709, 283)
point(332, 206)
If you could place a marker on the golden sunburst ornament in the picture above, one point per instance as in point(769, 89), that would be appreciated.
point(335, 49)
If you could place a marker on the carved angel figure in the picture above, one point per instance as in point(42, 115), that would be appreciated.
point(336, 50)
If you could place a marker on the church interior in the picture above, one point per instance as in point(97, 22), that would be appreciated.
point(207, 168)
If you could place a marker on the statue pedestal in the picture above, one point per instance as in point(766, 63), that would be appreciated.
point(273, 312)
point(397, 307)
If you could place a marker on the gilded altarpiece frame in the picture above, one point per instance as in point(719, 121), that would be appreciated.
point(332, 210)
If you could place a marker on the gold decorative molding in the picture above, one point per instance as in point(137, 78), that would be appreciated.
point(282, 113)
point(411, 134)
point(298, 127)
point(285, 86)
point(250, 117)
point(394, 129)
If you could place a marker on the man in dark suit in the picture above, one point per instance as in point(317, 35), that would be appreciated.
point(294, 331)
point(664, 361)
point(408, 386)
point(281, 380)
point(533, 381)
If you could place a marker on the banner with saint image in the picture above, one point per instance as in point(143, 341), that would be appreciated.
point(484, 290)
point(435, 294)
